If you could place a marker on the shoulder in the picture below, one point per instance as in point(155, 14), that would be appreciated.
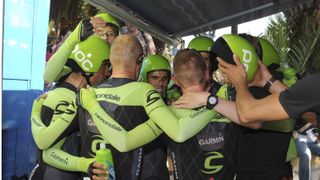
point(119, 83)
point(141, 86)
point(302, 87)
point(59, 95)
point(63, 92)
point(310, 80)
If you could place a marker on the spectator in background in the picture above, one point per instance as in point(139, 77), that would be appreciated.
point(145, 39)
point(52, 43)
point(307, 143)
point(108, 28)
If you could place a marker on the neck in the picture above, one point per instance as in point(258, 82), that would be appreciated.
point(75, 79)
point(123, 74)
point(194, 88)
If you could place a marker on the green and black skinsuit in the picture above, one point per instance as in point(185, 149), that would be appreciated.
point(55, 130)
point(210, 154)
point(54, 121)
point(129, 115)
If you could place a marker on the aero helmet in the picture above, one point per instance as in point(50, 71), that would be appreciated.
point(153, 63)
point(90, 54)
point(254, 42)
point(270, 56)
point(229, 44)
point(201, 43)
point(266, 52)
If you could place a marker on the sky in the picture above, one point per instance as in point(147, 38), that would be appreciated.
point(256, 27)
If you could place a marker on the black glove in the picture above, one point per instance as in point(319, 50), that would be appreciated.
point(86, 29)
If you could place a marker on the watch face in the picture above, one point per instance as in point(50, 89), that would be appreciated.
point(212, 100)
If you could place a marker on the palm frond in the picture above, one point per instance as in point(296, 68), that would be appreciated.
point(279, 33)
point(305, 45)
point(298, 43)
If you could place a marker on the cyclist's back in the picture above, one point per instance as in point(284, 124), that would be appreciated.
point(124, 100)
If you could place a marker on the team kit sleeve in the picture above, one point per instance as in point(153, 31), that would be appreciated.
point(44, 136)
point(56, 65)
point(122, 140)
point(112, 131)
point(60, 159)
point(302, 97)
point(178, 129)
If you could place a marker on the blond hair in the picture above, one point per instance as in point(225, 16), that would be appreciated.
point(189, 67)
point(125, 50)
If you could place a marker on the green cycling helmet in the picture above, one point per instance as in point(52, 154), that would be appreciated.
point(108, 19)
point(153, 63)
point(201, 43)
point(269, 54)
point(90, 54)
point(229, 44)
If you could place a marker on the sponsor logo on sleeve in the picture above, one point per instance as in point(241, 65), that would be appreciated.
point(113, 126)
point(59, 158)
point(152, 97)
point(61, 108)
point(109, 96)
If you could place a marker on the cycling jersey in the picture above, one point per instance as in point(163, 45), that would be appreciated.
point(49, 166)
point(58, 118)
point(154, 166)
point(131, 104)
point(211, 154)
point(57, 121)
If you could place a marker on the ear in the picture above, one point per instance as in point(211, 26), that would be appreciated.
point(176, 81)
point(207, 74)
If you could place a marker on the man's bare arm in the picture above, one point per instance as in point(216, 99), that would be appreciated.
point(251, 109)
point(262, 76)
point(192, 100)
point(228, 109)
point(258, 110)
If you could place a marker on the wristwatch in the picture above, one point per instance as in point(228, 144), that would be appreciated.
point(212, 101)
point(269, 83)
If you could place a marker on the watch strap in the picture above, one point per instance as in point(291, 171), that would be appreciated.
point(269, 83)
point(209, 105)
